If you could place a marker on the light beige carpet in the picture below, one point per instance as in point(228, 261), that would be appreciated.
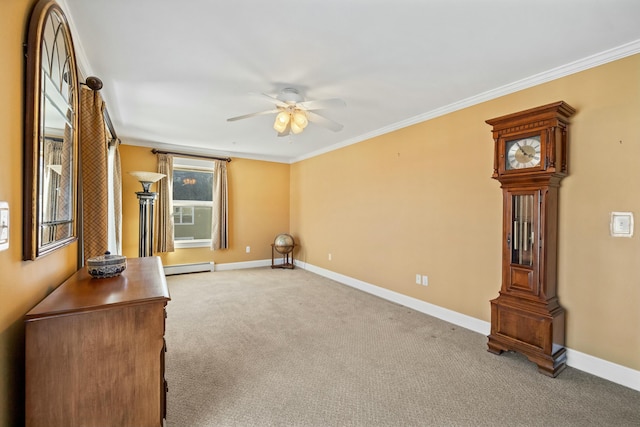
point(265, 347)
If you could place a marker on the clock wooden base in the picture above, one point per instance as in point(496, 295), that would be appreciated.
point(533, 329)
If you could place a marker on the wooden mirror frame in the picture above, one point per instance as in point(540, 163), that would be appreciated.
point(51, 133)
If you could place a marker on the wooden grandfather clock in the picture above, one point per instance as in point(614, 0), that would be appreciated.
point(530, 160)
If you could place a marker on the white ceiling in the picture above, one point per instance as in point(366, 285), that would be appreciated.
point(174, 71)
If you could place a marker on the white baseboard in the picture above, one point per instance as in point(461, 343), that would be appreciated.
point(188, 268)
point(451, 316)
point(604, 369)
point(599, 367)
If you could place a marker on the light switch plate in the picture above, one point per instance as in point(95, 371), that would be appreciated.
point(4, 226)
point(621, 224)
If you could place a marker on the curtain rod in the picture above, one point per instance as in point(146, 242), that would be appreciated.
point(107, 120)
point(199, 156)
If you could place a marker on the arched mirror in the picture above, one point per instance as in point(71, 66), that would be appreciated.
point(50, 184)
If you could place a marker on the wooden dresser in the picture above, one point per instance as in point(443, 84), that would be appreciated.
point(95, 350)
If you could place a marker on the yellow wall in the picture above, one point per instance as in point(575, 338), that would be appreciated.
point(258, 209)
point(421, 200)
point(22, 283)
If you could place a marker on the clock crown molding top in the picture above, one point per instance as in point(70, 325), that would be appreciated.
point(532, 141)
point(532, 118)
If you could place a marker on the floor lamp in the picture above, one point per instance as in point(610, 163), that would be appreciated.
point(146, 198)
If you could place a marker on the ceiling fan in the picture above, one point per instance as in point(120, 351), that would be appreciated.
point(294, 113)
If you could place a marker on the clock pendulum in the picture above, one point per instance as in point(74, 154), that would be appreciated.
point(530, 160)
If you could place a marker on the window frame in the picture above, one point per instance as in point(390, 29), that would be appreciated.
point(182, 214)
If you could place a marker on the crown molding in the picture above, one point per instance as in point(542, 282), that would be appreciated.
point(583, 64)
point(200, 151)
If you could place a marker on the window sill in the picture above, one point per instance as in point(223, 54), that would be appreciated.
point(185, 244)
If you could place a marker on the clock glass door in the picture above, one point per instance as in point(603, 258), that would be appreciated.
point(523, 249)
point(523, 233)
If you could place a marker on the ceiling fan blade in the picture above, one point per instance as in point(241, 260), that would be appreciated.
point(246, 116)
point(321, 104)
point(273, 100)
point(323, 121)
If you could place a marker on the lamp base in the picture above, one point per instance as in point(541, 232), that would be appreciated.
point(145, 243)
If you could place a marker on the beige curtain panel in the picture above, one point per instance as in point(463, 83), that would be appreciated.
point(65, 203)
point(93, 157)
point(53, 155)
point(163, 223)
point(219, 217)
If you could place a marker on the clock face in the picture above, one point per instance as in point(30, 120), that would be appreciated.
point(523, 153)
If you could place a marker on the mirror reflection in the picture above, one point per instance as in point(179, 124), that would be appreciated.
point(51, 165)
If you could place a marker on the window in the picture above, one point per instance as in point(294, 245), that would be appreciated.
point(114, 198)
point(183, 215)
point(192, 202)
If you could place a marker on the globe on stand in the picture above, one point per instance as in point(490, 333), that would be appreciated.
point(283, 244)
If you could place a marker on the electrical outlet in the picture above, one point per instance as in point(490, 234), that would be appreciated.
point(329, 257)
point(248, 249)
point(418, 279)
point(425, 280)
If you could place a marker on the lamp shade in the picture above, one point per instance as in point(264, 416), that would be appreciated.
point(300, 119)
point(147, 178)
point(282, 120)
point(295, 128)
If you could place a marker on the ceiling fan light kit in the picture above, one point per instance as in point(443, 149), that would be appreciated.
point(297, 119)
point(294, 113)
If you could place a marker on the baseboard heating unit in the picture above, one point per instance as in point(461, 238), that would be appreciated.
point(188, 268)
